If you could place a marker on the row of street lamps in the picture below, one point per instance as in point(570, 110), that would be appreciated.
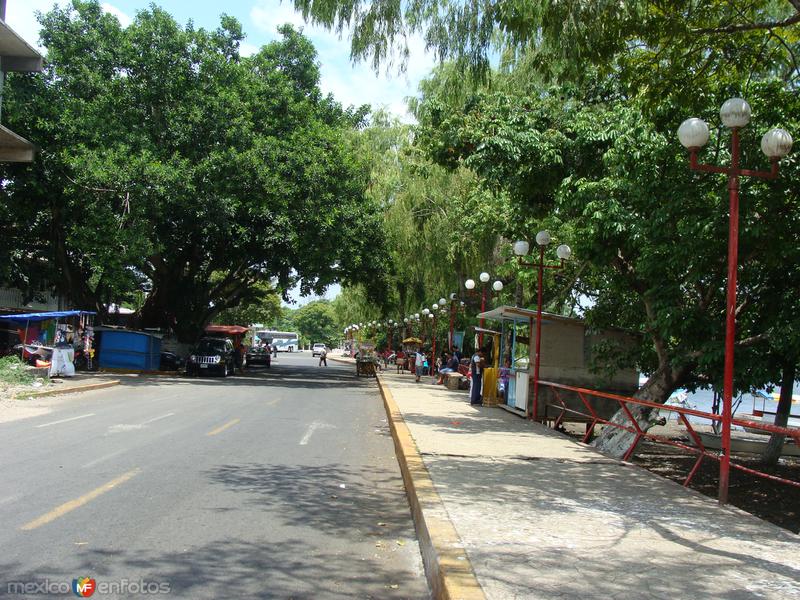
point(521, 249)
point(693, 134)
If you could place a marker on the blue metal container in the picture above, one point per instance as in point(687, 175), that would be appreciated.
point(133, 350)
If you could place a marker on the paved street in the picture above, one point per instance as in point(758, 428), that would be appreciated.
point(277, 484)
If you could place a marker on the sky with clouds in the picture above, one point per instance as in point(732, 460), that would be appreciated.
point(350, 83)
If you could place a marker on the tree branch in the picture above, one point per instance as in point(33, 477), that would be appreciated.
point(737, 27)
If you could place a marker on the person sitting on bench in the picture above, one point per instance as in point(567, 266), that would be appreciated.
point(451, 366)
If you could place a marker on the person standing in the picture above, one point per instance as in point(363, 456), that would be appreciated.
point(476, 366)
point(323, 356)
point(419, 364)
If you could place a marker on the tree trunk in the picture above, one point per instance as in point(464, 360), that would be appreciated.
point(775, 445)
point(615, 441)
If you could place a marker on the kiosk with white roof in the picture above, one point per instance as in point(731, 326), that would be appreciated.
point(568, 350)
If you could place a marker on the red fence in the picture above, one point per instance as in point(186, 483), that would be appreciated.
point(586, 396)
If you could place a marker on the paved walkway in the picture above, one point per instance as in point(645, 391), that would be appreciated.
point(542, 516)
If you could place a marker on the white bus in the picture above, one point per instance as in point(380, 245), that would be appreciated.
point(285, 341)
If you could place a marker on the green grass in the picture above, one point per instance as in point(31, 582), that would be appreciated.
point(14, 372)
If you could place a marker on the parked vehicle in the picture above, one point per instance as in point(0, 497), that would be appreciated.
point(169, 362)
point(259, 356)
point(212, 355)
point(317, 349)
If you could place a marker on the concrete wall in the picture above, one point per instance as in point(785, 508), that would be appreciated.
point(567, 352)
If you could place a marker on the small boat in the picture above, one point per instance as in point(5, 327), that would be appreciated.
point(768, 418)
point(713, 441)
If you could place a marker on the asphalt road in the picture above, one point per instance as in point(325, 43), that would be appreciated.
point(278, 484)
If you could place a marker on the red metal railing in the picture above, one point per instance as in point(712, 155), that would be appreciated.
point(699, 448)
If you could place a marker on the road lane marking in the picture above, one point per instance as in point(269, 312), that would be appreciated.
point(97, 461)
point(312, 428)
point(121, 427)
point(64, 420)
point(68, 507)
point(223, 428)
point(153, 420)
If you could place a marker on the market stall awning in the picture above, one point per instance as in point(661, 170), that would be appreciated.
point(515, 313)
point(46, 316)
point(227, 329)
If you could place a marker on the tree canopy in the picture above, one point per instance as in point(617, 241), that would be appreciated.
point(172, 164)
point(651, 43)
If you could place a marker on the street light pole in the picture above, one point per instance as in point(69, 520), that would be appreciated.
point(563, 252)
point(432, 317)
point(470, 285)
point(776, 143)
point(453, 299)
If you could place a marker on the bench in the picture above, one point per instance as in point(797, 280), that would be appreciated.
point(401, 364)
point(456, 380)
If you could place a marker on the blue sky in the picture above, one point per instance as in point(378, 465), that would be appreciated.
point(350, 84)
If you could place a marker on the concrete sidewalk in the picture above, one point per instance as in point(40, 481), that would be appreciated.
point(539, 515)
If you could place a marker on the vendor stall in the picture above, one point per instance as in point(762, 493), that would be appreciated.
point(365, 363)
point(237, 333)
point(569, 355)
point(491, 392)
point(56, 339)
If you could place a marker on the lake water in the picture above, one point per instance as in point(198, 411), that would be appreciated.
point(703, 400)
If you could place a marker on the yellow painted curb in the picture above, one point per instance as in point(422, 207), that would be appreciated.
point(69, 390)
point(449, 570)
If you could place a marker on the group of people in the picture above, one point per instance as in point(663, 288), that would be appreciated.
point(450, 363)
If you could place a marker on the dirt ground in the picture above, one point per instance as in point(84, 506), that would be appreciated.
point(772, 501)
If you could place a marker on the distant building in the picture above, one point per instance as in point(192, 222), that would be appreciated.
point(15, 56)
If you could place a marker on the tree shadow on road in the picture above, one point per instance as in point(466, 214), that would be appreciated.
point(230, 568)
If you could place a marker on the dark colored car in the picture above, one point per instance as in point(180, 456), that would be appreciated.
point(259, 356)
point(170, 362)
point(212, 355)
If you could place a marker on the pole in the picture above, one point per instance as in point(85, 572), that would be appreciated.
point(433, 351)
point(25, 340)
point(730, 319)
point(538, 335)
point(452, 323)
point(483, 309)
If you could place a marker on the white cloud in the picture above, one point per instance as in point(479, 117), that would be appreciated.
point(123, 19)
point(267, 15)
point(246, 49)
point(21, 17)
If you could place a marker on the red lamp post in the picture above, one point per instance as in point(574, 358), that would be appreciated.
point(776, 143)
point(470, 285)
point(453, 302)
point(390, 325)
point(563, 252)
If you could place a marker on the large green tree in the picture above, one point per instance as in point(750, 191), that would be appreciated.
point(651, 236)
point(649, 44)
point(171, 163)
point(316, 323)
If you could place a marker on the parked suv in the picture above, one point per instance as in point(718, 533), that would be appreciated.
point(317, 349)
point(212, 355)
